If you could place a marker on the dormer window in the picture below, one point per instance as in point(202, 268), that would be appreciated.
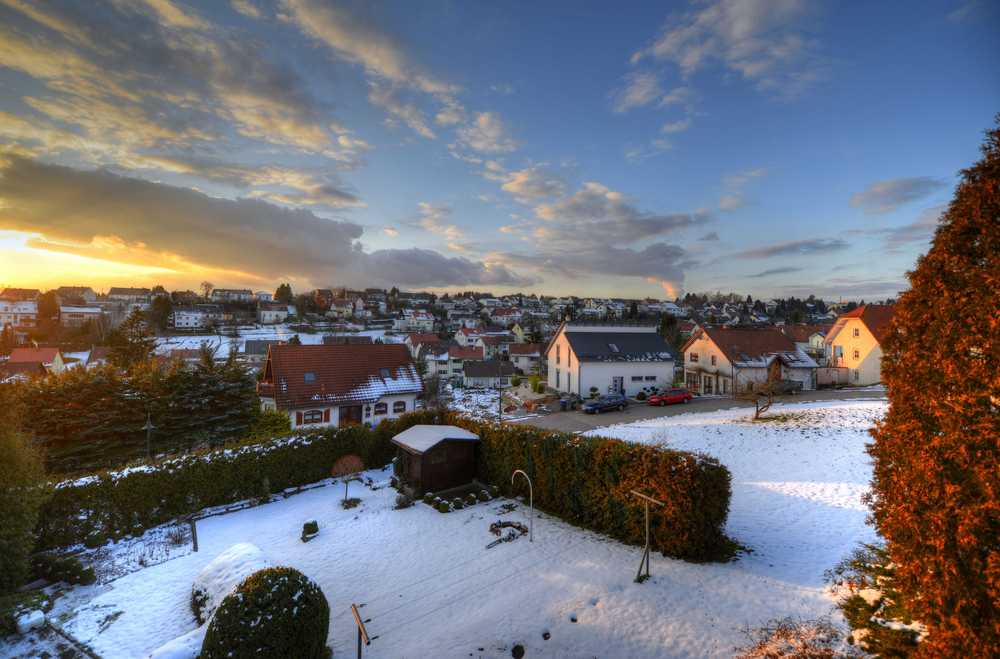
point(384, 372)
point(613, 348)
point(309, 376)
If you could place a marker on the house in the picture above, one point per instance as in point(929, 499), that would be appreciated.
point(264, 296)
point(78, 316)
point(435, 358)
point(124, 294)
point(80, 294)
point(467, 336)
point(232, 295)
point(323, 298)
point(435, 458)
point(21, 315)
point(346, 339)
point(255, 350)
point(197, 316)
point(526, 357)
point(346, 308)
point(855, 343)
point(98, 356)
point(21, 371)
point(727, 360)
point(505, 316)
point(609, 357)
point(492, 373)
point(20, 294)
point(269, 313)
point(336, 385)
point(50, 358)
point(811, 339)
point(458, 356)
point(415, 340)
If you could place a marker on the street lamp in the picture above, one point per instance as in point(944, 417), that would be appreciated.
point(149, 428)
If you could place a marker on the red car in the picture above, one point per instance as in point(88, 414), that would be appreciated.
point(670, 396)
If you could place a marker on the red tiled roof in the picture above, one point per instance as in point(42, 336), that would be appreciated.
point(876, 318)
point(469, 331)
point(21, 368)
point(754, 343)
point(28, 355)
point(801, 333)
point(471, 352)
point(98, 354)
point(416, 338)
point(525, 348)
point(340, 374)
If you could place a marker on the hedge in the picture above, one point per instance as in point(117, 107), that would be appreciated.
point(585, 481)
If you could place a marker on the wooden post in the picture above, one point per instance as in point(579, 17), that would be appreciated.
point(362, 632)
point(644, 563)
point(194, 533)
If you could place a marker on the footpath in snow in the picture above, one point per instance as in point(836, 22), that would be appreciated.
point(432, 589)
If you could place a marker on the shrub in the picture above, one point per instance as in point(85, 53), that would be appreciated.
point(277, 612)
point(471, 499)
point(936, 455)
point(443, 507)
point(62, 568)
point(806, 639)
point(309, 530)
point(539, 387)
point(593, 392)
point(403, 501)
point(484, 495)
point(21, 495)
point(515, 381)
point(269, 424)
point(456, 503)
point(429, 497)
point(347, 504)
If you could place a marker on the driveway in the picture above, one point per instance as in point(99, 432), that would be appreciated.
point(580, 422)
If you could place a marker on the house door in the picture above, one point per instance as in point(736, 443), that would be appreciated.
point(350, 416)
point(707, 384)
point(618, 385)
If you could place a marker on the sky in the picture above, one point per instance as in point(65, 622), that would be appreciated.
point(772, 148)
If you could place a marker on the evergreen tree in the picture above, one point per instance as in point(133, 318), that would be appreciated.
point(132, 342)
point(283, 294)
point(159, 312)
point(936, 488)
point(7, 340)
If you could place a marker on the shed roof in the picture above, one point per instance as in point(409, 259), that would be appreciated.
point(422, 437)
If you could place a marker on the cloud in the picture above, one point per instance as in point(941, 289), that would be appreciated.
point(102, 215)
point(886, 196)
point(774, 271)
point(640, 89)
point(390, 231)
point(389, 98)
point(503, 88)
point(711, 236)
point(452, 113)
point(919, 231)
point(486, 134)
point(356, 38)
point(437, 220)
point(761, 40)
point(734, 199)
point(731, 202)
point(533, 184)
point(656, 147)
point(675, 126)
point(245, 7)
point(795, 248)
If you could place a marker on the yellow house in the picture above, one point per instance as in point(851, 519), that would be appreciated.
point(854, 343)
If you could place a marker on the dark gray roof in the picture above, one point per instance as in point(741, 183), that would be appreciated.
point(478, 369)
point(618, 346)
point(259, 346)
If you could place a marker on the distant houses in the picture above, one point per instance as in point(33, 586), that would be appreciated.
point(608, 357)
point(49, 359)
point(336, 385)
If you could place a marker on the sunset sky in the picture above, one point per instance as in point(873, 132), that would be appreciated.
point(773, 148)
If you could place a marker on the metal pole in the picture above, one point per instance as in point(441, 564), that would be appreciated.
point(149, 427)
point(531, 503)
point(639, 576)
point(194, 533)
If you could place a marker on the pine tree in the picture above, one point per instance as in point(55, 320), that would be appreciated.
point(936, 489)
point(132, 342)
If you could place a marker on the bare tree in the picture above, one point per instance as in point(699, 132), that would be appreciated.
point(206, 288)
point(349, 468)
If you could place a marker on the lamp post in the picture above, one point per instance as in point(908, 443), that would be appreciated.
point(531, 504)
point(149, 428)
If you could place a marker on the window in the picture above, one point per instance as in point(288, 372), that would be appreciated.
point(857, 375)
point(558, 356)
point(399, 407)
point(557, 379)
point(713, 360)
point(613, 348)
point(381, 408)
point(313, 416)
point(693, 357)
point(368, 410)
point(857, 332)
point(650, 378)
point(857, 354)
point(309, 376)
point(636, 378)
point(384, 372)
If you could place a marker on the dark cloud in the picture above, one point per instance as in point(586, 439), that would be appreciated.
point(104, 215)
point(774, 271)
point(795, 248)
point(711, 236)
point(919, 231)
point(887, 196)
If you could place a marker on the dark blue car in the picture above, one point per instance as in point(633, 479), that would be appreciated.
point(605, 404)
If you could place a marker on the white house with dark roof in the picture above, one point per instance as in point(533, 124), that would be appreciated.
point(618, 357)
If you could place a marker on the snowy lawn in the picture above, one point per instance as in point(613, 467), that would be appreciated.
point(431, 589)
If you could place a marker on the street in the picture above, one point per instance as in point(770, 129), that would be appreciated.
point(580, 422)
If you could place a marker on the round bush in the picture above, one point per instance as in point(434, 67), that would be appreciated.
point(471, 500)
point(276, 612)
point(443, 507)
point(428, 497)
point(484, 495)
point(457, 504)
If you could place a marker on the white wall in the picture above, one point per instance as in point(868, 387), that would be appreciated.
point(601, 374)
point(371, 417)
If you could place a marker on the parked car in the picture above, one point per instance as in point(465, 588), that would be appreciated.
point(605, 404)
point(782, 387)
point(670, 396)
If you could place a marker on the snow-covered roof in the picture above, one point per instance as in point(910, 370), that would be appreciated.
point(421, 438)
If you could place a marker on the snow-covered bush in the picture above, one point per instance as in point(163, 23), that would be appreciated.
point(443, 507)
point(484, 495)
point(808, 639)
point(275, 613)
point(62, 568)
point(429, 498)
point(457, 504)
point(310, 530)
point(403, 501)
point(217, 579)
point(471, 499)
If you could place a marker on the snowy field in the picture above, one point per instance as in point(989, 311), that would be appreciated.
point(432, 589)
point(223, 342)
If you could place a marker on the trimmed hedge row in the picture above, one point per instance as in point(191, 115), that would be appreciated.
point(584, 481)
point(112, 505)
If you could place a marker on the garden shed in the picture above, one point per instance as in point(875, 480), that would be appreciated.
point(434, 458)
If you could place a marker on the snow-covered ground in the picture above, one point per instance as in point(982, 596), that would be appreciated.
point(270, 332)
point(432, 589)
point(481, 403)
